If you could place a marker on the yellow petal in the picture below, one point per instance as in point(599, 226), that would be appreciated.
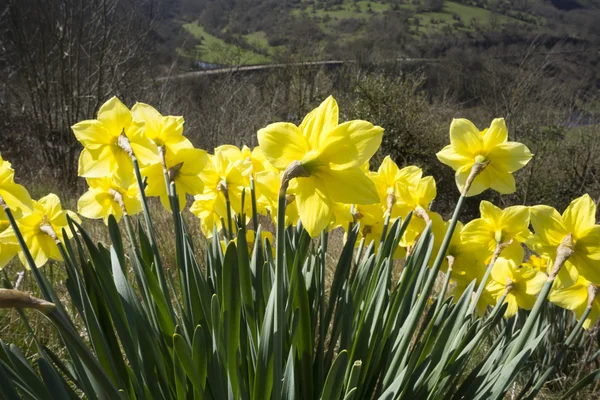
point(115, 116)
point(313, 206)
point(548, 225)
point(349, 186)
point(509, 156)
point(153, 120)
point(449, 156)
point(319, 122)
point(92, 134)
point(501, 181)
point(426, 191)
point(388, 170)
point(91, 204)
point(495, 134)
point(572, 297)
point(7, 252)
point(17, 198)
point(351, 144)
point(580, 216)
point(480, 183)
point(282, 143)
point(52, 206)
point(465, 138)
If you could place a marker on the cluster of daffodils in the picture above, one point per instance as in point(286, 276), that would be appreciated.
point(319, 173)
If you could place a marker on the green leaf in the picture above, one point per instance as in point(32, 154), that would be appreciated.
point(334, 384)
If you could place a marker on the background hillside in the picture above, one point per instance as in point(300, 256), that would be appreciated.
point(260, 31)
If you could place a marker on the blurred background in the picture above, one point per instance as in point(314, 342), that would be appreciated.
point(232, 66)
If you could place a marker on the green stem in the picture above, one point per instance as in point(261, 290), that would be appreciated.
point(444, 288)
point(386, 223)
point(415, 315)
point(322, 327)
point(151, 236)
point(279, 322)
point(254, 208)
point(229, 224)
point(531, 319)
point(554, 364)
point(485, 278)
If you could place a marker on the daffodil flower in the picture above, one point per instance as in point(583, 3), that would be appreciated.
point(576, 227)
point(256, 158)
point(8, 249)
point(521, 285)
point(165, 132)
point(210, 208)
point(183, 168)
point(577, 298)
point(104, 151)
point(497, 227)
point(538, 263)
point(226, 173)
point(326, 157)
point(489, 147)
point(267, 188)
point(14, 195)
point(116, 195)
point(390, 182)
point(416, 198)
point(41, 229)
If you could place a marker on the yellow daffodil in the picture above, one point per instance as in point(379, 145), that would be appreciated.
point(467, 260)
point(184, 169)
point(209, 208)
point(267, 187)
point(576, 298)
point(497, 226)
point(227, 173)
point(15, 196)
point(538, 263)
point(416, 198)
point(391, 181)
point(8, 249)
point(578, 221)
point(327, 158)
point(41, 228)
point(104, 151)
point(469, 146)
point(165, 132)
point(110, 196)
point(522, 285)
point(256, 158)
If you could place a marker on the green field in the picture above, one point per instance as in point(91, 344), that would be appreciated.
point(215, 50)
point(455, 16)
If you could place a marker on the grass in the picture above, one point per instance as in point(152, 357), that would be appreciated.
point(260, 41)
point(216, 51)
point(468, 15)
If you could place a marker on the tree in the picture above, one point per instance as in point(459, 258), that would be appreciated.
point(63, 59)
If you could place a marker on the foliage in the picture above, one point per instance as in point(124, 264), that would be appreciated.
point(251, 321)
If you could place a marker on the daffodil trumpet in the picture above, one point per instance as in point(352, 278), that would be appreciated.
point(563, 252)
